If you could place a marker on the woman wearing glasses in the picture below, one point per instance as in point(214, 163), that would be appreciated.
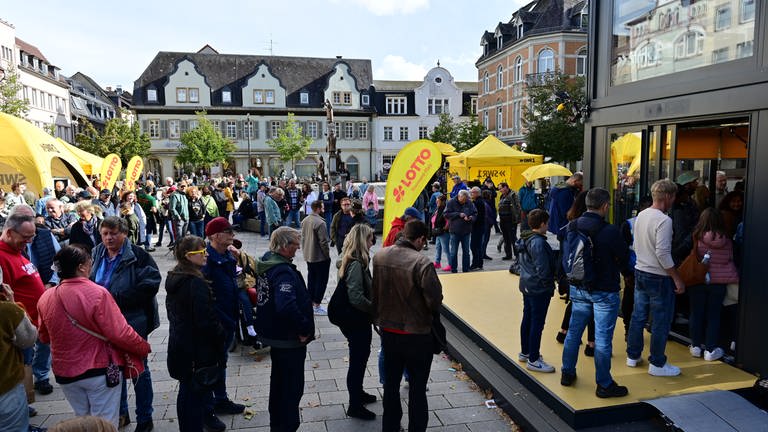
point(196, 336)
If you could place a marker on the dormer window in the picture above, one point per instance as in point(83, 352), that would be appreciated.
point(366, 100)
point(226, 96)
point(584, 19)
point(304, 97)
point(519, 29)
point(152, 95)
point(499, 42)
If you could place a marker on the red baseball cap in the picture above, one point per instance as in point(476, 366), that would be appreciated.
point(217, 225)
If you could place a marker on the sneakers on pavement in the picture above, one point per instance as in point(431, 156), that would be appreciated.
point(715, 354)
point(213, 424)
point(613, 390)
point(437, 265)
point(361, 412)
point(539, 366)
point(666, 370)
point(634, 362)
point(695, 351)
point(522, 357)
point(44, 387)
point(228, 407)
point(446, 268)
point(567, 379)
point(320, 311)
point(368, 398)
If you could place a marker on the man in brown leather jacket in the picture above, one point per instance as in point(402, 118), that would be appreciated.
point(406, 295)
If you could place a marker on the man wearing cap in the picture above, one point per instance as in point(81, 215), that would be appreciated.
point(457, 186)
point(108, 207)
point(84, 195)
point(399, 223)
point(221, 270)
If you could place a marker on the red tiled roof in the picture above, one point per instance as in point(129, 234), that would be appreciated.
point(31, 49)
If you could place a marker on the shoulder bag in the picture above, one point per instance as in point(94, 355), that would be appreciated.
point(691, 270)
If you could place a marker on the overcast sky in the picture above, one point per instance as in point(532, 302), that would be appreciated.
point(403, 38)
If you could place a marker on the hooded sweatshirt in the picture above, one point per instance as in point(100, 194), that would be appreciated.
point(285, 310)
point(537, 264)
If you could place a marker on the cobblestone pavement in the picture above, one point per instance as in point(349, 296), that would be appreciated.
point(455, 402)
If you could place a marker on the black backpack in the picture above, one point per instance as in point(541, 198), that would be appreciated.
point(341, 312)
point(221, 200)
point(579, 262)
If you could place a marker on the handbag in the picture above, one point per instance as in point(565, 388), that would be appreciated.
point(691, 270)
point(341, 313)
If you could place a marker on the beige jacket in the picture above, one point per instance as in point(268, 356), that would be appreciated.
point(314, 239)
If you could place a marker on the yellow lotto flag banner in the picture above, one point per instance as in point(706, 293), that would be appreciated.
point(414, 165)
point(110, 169)
point(133, 171)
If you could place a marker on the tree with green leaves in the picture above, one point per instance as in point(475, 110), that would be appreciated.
point(120, 137)
point(10, 89)
point(553, 118)
point(290, 142)
point(204, 146)
point(463, 135)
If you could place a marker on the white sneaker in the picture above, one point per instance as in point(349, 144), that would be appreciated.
point(713, 355)
point(320, 311)
point(666, 370)
point(634, 362)
point(695, 351)
point(522, 357)
point(539, 366)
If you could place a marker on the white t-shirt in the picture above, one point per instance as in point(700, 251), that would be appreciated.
point(653, 242)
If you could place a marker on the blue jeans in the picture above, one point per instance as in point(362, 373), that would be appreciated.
point(534, 314)
point(41, 363)
point(142, 386)
point(328, 219)
point(293, 217)
point(654, 294)
point(605, 307)
point(706, 304)
point(454, 252)
point(442, 244)
point(262, 223)
point(196, 228)
point(14, 414)
point(476, 244)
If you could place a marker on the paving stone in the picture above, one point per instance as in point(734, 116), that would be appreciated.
point(490, 426)
point(323, 413)
point(466, 415)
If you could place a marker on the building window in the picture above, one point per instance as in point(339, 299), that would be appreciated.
point(312, 129)
point(690, 44)
point(437, 106)
point(744, 49)
point(194, 95)
point(499, 77)
point(648, 55)
point(362, 130)
point(519, 29)
point(584, 18)
point(248, 129)
point(274, 128)
point(151, 95)
point(486, 83)
point(720, 55)
point(269, 96)
point(518, 69)
point(181, 95)
point(304, 98)
point(50, 102)
point(154, 129)
point(216, 125)
point(546, 61)
point(258, 96)
point(353, 167)
point(499, 118)
point(366, 100)
point(517, 115)
point(173, 129)
point(34, 97)
point(347, 98)
point(581, 62)
point(722, 18)
point(423, 132)
point(396, 105)
point(231, 129)
point(747, 10)
point(485, 119)
point(403, 133)
point(349, 130)
point(499, 42)
point(193, 124)
point(387, 133)
point(336, 98)
point(473, 105)
point(226, 96)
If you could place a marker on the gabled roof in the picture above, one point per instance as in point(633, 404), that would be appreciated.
point(31, 49)
point(207, 49)
point(220, 70)
point(91, 85)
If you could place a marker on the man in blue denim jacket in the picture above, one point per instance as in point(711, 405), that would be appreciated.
point(537, 283)
point(610, 255)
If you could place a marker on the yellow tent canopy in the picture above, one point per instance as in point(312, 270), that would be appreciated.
point(626, 150)
point(29, 155)
point(492, 158)
point(89, 162)
point(446, 149)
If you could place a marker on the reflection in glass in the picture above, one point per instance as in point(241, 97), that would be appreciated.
point(626, 159)
point(654, 38)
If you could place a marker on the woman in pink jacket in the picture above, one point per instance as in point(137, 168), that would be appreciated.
point(706, 300)
point(74, 317)
point(370, 197)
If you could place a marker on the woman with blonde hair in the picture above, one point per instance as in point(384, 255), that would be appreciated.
point(86, 230)
point(355, 277)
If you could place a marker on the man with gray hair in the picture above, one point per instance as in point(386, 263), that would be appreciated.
point(598, 298)
point(460, 213)
point(656, 281)
point(286, 323)
point(58, 221)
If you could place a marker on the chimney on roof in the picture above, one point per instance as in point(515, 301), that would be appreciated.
point(119, 89)
point(338, 57)
point(108, 88)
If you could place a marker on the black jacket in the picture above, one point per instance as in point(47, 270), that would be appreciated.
point(195, 338)
point(611, 253)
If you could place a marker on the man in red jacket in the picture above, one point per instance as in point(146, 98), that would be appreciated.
point(399, 223)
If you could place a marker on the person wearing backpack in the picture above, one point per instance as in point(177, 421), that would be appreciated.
point(509, 216)
point(537, 283)
point(594, 288)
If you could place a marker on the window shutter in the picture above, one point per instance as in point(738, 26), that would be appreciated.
point(240, 129)
point(319, 129)
point(267, 130)
point(145, 126)
point(163, 128)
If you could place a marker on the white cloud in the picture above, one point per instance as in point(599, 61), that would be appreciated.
point(395, 67)
point(389, 7)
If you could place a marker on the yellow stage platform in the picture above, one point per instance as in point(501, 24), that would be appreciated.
point(490, 304)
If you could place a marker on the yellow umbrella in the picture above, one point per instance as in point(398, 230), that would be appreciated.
point(446, 149)
point(546, 170)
